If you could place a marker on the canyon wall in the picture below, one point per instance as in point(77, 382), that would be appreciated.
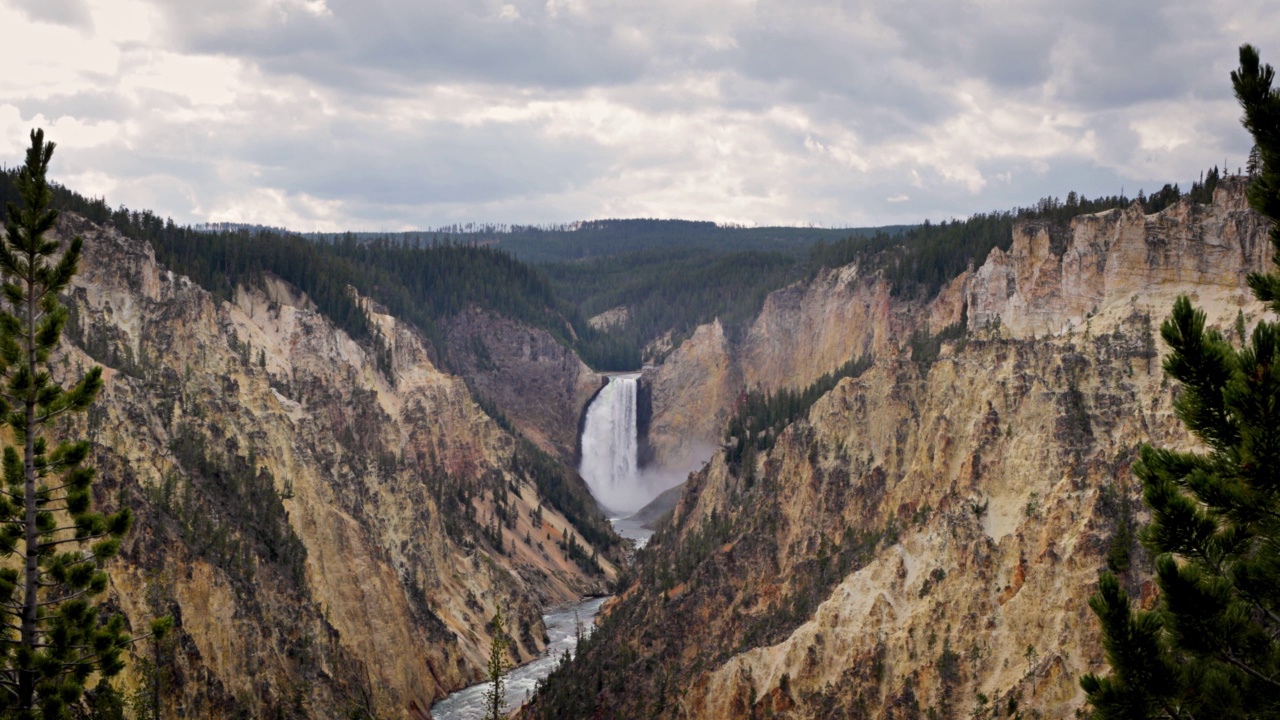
point(330, 538)
point(923, 542)
point(803, 331)
point(538, 384)
point(1053, 279)
point(1040, 287)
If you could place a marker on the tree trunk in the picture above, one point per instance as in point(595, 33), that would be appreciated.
point(30, 604)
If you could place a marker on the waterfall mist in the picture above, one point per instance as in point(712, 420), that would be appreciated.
point(609, 449)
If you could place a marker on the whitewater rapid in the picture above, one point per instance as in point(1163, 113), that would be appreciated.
point(564, 624)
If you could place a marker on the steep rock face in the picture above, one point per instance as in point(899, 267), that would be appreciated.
point(924, 541)
point(689, 397)
point(1039, 289)
point(802, 332)
point(537, 383)
point(1051, 280)
point(806, 330)
point(983, 499)
point(328, 539)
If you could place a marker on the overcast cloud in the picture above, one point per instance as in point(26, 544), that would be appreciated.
point(399, 114)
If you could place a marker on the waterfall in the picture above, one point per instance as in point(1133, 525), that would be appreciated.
point(609, 446)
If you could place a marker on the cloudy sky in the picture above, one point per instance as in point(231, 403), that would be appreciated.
point(399, 114)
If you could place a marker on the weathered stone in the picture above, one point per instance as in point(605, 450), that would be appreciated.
point(993, 481)
point(392, 600)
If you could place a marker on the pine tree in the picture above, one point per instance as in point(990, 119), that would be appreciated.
point(53, 636)
point(1209, 648)
point(498, 666)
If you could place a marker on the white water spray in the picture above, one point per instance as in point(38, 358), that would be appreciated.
point(609, 447)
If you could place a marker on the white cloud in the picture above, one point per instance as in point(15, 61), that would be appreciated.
point(123, 21)
point(41, 59)
point(198, 80)
point(396, 113)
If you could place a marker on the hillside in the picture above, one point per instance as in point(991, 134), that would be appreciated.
point(656, 298)
point(330, 527)
point(593, 239)
point(922, 540)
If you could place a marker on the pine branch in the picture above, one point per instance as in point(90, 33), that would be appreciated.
point(139, 638)
point(41, 419)
point(71, 563)
point(66, 598)
point(1232, 660)
point(1270, 615)
point(1175, 713)
point(56, 488)
point(51, 543)
point(63, 529)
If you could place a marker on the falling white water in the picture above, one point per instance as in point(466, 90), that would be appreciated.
point(609, 447)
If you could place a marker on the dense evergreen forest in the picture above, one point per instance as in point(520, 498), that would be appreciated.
point(676, 289)
point(604, 238)
point(421, 283)
point(670, 275)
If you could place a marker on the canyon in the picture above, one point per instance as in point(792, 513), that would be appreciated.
point(330, 537)
point(924, 539)
point(332, 533)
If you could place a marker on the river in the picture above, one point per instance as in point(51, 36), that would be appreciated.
point(562, 624)
point(610, 469)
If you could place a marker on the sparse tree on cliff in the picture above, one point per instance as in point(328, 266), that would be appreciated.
point(498, 666)
point(1210, 647)
point(53, 637)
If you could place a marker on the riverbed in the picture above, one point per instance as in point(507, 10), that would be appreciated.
point(562, 629)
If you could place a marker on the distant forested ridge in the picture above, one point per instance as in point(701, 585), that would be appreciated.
point(603, 238)
point(676, 289)
point(670, 275)
point(421, 284)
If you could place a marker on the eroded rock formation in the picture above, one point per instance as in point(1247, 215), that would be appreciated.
point(541, 386)
point(924, 541)
point(327, 536)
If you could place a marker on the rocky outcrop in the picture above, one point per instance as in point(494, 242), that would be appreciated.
point(1054, 279)
point(689, 398)
point(537, 383)
point(809, 329)
point(614, 317)
point(803, 331)
point(923, 542)
point(330, 537)
point(1051, 280)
